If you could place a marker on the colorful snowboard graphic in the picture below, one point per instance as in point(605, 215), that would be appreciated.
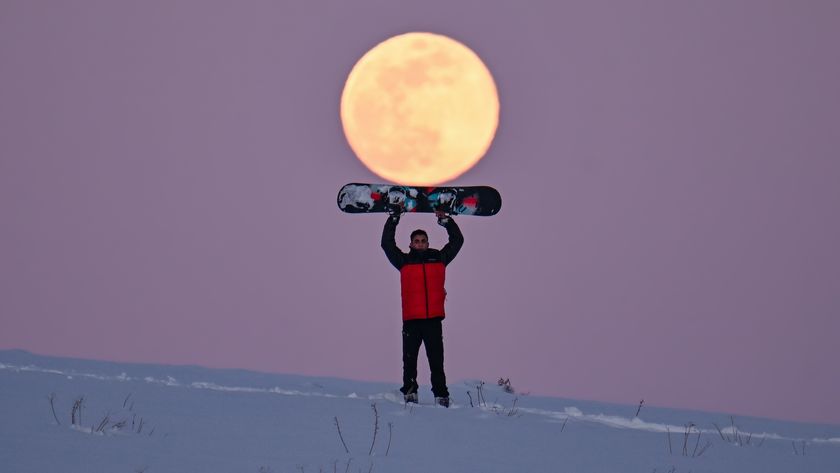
point(368, 198)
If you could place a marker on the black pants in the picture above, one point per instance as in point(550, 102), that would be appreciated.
point(430, 333)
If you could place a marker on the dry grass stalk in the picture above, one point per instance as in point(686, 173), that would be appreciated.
point(52, 406)
point(338, 427)
point(390, 433)
point(375, 427)
point(104, 422)
point(77, 409)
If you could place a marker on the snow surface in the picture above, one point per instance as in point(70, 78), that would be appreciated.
point(151, 418)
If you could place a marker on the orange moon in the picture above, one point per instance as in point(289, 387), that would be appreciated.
point(420, 109)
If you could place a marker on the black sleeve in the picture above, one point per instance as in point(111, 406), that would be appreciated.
point(389, 244)
point(456, 241)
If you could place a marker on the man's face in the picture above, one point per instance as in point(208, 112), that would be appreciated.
point(420, 242)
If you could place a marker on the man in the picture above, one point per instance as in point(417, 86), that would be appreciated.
point(422, 276)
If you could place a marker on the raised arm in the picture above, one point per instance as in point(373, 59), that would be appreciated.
point(389, 243)
point(456, 239)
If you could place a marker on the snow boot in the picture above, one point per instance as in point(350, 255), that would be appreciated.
point(410, 397)
point(442, 401)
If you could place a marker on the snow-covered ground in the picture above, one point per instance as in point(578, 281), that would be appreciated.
point(148, 418)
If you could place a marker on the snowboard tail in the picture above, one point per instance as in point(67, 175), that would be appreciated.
point(378, 198)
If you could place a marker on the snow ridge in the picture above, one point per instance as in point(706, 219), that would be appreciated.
point(568, 414)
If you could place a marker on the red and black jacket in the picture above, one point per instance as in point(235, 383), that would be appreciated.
point(422, 273)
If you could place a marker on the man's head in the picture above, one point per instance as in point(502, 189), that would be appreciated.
point(419, 240)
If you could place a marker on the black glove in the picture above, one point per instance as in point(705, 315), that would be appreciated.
point(444, 221)
point(394, 213)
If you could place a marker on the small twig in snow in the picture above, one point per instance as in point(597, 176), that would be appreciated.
point(640, 407)
point(390, 433)
point(723, 437)
point(512, 412)
point(685, 438)
point(480, 389)
point(375, 427)
point(52, 406)
point(342, 438)
point(77, 407)
point(694, 453)
point(705, 447)
point(736, 436)
point(104, 422)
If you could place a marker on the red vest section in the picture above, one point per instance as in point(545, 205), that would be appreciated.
point(423, 293)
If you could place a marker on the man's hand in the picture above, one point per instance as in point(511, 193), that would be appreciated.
point(394, 213)
point(443, 218)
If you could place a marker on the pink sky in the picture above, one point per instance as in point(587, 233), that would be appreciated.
point(669, 170)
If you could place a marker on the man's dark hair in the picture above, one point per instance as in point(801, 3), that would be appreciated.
point(419, 232)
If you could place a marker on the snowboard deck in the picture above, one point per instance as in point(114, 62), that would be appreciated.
point(481, 201)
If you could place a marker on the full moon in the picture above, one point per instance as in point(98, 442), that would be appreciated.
point(420, 109)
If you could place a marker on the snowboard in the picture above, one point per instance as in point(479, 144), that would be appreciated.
point(373, 198)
